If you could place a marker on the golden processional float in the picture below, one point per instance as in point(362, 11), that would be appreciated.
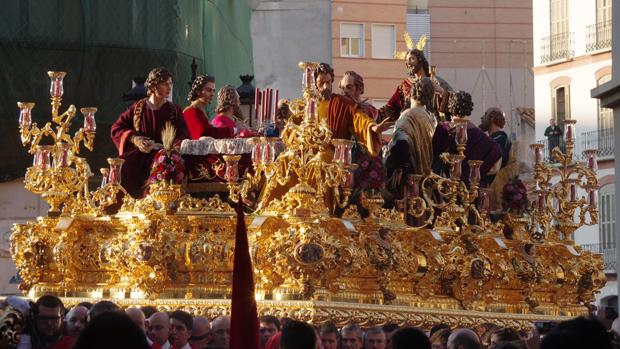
point(175, 251)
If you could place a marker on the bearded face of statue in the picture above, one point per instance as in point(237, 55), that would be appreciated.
point(324, 85)
point(413, 64)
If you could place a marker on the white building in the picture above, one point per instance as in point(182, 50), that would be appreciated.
point(572, 55)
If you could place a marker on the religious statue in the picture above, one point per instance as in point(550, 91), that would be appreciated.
point(137, 132)
point(343, 116)
point(200, 95)
point(410, 151)
point(417, 68)
point(228, 110)
point(479, 145)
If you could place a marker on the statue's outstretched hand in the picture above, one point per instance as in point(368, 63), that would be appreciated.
point(382, 126)
point(144, 144)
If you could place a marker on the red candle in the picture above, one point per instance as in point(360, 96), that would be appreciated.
point(309, 77)
point(267, 153)
point(263, 107)
point(592, 197)
point(542, 200)
point(269, 102)
point(256, 103)
point(256, 152)
point(311, 108)
point(56, 90)
point(275, 106)
point(573, 191)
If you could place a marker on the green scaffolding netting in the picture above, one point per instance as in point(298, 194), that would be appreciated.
point(103, 45)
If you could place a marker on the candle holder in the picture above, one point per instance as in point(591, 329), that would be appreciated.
point(570, 211)
point(232, 168)
point(460, 134)
point(62, 182)
point(537, 153)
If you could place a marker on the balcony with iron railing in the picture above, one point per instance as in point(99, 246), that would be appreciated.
point(598, 36)
point(602, 140)
point(608, 252)
point(557, 47)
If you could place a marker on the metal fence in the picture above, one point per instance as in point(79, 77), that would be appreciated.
point(608, 252)
point(598, 36)
point(557, 47)
point(602, 140)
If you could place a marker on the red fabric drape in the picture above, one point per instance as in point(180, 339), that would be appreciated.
point(244, 316)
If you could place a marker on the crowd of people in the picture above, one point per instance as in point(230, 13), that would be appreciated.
point(47, 324)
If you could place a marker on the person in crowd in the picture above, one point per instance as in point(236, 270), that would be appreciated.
point(138, 130)
point(389, 330)
point(554, 136)
point(48, 312)
point(159, 330)
point(220, 327)
point(181, 325)
point(298, 335)
point(268, 327)
point(137, 316)
point(409, 337)
point(374, 338)
point(577, 333)
point(439, 338)
point(102, 307)
point(75, 320)
point(201, 333)
point(464, 338)
point(352, 337)
point(112, 330)
point(607, 311)
point(503, 335)
point(86, 305)
point(329, 336)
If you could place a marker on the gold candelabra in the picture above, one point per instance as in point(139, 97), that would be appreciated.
point(571, 211)
point(316, 169)
point(57, 173)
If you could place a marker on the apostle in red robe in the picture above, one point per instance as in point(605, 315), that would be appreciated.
point(137, 132)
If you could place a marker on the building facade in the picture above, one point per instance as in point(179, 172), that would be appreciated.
point(572, 55)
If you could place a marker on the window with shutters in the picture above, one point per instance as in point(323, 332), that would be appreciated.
point(607, 221)
point(383, 41)
point(351, 40)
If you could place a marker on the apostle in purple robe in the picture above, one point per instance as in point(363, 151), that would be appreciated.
point(137, 132)
point(479, 145)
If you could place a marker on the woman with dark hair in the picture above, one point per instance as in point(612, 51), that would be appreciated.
point(200, 95)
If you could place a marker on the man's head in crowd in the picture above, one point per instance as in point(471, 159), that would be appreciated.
point(352, 337)
point(48, 314)
point(76, 320)
point(439, 339)
point(577, 333)
point(329, 336)
point(159, 328)
point(464, 338)
point(409, 337)
point(607, 311)
point(324, 78)
point(102, 307)
point(375, 338)
point(137, 316)
point(111, 330)
point(298, 335)
point(503, 335)
point(181, 325)
point(201, 333)
point(269, 326)
point(203, 89)
point(389, 330)
point(220, 328)
point(148, 311)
